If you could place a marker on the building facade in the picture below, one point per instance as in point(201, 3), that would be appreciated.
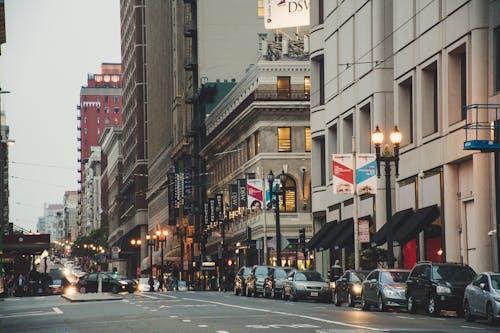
point(4, 165)
point(91, 201)
point(53, 217)
point(70, 216)
point(417, 65)
point(135, 123)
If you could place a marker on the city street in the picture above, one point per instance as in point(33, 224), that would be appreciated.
point(210, 312)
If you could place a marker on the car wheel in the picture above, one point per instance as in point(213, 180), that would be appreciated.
point(336, 299)
point(432, 307)
point(364, 304)
point(83, 290)
point(350, 300)
point(411, 306)
point(490, 315)
point(467, 314)
point(114, 290)
point(381, 305)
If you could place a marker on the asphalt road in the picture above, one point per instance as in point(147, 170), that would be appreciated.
point(213, 312)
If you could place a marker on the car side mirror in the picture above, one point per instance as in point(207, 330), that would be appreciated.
point(482, 286)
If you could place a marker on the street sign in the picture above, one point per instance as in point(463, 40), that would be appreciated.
point(343, 174)
point(364, 231)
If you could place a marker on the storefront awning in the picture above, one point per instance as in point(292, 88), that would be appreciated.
point(398, 219)
point(327, 241)
point(325, 230)
point(345, 237)
point(416, 224)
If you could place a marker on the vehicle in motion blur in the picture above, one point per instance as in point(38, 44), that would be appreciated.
point(143, 284)
point(384, 288)
point(348, 288)
point(305, 285)
point(110, 283)
point(482, 298)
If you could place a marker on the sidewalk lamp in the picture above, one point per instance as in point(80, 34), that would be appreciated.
point(162, 240)
point(387, 156)
point(270, 179)
point(151, 244)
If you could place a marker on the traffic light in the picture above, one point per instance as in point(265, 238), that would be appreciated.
point(229, 263)
point(302, 236)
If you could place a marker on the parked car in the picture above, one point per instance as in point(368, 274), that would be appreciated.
point(273, 284)
point(110, 283)
point(57, 281)
point(384, 288)
point(256, 280)
point(240, 286)
point(482, 298)
point(305, 285)
point(143, 284)
point(182, 286)
point(438, 286)
point(348, 288)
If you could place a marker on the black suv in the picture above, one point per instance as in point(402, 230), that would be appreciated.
point(256, 280)
point(438, 286)
point(240, 284)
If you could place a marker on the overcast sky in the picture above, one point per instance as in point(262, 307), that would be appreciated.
point(51, 46)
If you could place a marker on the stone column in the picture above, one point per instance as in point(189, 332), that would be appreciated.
point(451, 213)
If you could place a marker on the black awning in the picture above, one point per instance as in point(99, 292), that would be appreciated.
point(416, 223)
point(325, 229)
point(327, 241)
point(346, 237)
point(398, 220)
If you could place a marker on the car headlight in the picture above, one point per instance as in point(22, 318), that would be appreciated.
point(356, 289)
point(389, 292)
point(333, 285)
point(443, 290)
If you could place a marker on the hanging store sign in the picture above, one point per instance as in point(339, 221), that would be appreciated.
point(364, 231)
point(206, 213)
point(211, 202)
point(233, 197)
point(343, 174)
point(366, 174)
point(255, 195)
point(219, 206)
point(286, 13)
point(186, 185)
point(242, 192)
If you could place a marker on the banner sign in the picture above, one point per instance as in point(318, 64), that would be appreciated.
point(286, 13)
point(219, 206)
point(206, 213)
point(343, 175)
point(255, 194)
point(364, 231)
point(366, 174)
point(173, 210)
point(276, 185)
point(242, 192)
point(187, 188)
point(211, 202)
point(233, 197)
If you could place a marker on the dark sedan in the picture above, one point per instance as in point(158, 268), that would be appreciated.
point(110, 283)
point(348, 288)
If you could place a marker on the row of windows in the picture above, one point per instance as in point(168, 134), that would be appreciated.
point(285, 139)
point(106, 110)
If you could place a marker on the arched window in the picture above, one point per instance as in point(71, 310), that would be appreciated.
point(288, 203)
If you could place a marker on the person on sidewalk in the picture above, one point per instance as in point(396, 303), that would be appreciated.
point(20, 285)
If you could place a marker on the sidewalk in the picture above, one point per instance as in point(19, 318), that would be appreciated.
point(92, 297)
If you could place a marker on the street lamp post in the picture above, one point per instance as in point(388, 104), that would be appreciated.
point(151, 244)
point(387, 156)
point(137, 243)
point(162, 240)
point(270, 179)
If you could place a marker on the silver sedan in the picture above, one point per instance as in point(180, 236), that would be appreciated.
point(482, 298)
point(305, 285)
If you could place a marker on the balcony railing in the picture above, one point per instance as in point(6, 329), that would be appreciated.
point(275, 95)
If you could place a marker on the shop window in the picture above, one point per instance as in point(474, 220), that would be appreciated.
point(307, 136)
point(284, 139)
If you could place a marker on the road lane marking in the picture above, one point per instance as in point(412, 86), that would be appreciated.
point(154, 310)
point(474, 328)
point(186, 320)
point(57, 310)
point(404, 317)
point(149, 296)
point(340, 323)
point(202, 325)
point(174, 316)
point(221, 331)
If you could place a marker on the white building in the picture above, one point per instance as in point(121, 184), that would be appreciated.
point(414, 64)
point(92, 198)
point(70, 215)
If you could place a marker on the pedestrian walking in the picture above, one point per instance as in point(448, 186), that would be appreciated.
point(175, 282)
point(20, 285)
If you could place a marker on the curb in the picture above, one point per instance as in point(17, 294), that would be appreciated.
point(81, 300)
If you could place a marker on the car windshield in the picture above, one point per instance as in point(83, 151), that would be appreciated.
point(358, 276)
point(247, 271)
point(308, 276)
point(280, 273)
point(394, 277)
point(453, 273)
point(495, 281)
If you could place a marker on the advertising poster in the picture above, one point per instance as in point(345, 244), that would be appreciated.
point(211, 208)
point(366, 174)
point(242, 192)
point(343, 174)
point(255, 198)
point(286, 13)
point(233, 197)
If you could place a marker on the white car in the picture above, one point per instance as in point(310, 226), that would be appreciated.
point(182, 285)
point(144, 284)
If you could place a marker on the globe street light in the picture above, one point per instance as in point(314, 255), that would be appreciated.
point(388, 156)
